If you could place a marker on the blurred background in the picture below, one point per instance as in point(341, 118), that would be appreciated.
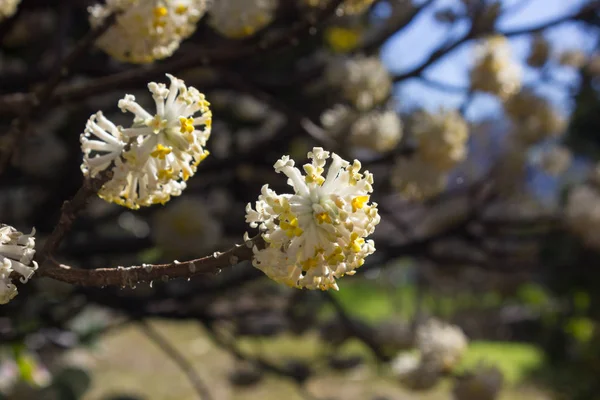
point(480, 122)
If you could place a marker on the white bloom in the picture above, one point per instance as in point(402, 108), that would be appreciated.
point(441, 344)
point(417, 180)
point(414, 373)
point(555, 160)
point(495, 72)
point(317, 234)
point(8, 8)
point(442, 138)
point(364, 81)
point(583, 214)
point(186, 228)
point(533, 117)
point(146, 30)
point(16, 256)
point(240, 18)
point(164, 149)
point(376, 130)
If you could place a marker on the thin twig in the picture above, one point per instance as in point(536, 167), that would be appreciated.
point(175, 355)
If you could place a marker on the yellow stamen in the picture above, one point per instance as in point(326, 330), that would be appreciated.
point(161, 151)
point(323, 218)
point(359, 202)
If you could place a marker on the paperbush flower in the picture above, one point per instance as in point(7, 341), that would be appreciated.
point(240, 18)
point(495, 72)
point(146, 30)
point(417, 180)
point(8, 8)
point(317, 234)
point(16, 255)
point(152, 159)
point(582, 214)
point(441, 344)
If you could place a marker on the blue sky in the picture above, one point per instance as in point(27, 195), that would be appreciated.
point(415, 43)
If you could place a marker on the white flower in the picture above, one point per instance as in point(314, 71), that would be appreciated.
point(442, 138)
point(240, 18)
point(413, 373)
point(164, 149)
point(582, 214)
point(317, 234)
point(495, 72)
point(441, 344)
point(186, 228)
point(16, 256)
point(417, 180)
point(533, 117)
point(555, 160)
point(146, 30)
point(8, 8)
point(364, 81)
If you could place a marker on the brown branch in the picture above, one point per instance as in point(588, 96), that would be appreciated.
point(177, 357)
point(130, 276)
point(39, 101)
point(199, 57)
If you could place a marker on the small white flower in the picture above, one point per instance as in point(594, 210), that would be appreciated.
point(317, 234)
point(442, 138)
point(533, 117)
point(16, 256)
point(240, 18)
point(8, 8)
point(441, 344)
point(417, 180)
point(364, 81)
point(411, 370)
point(495, 72)
point(146, 30)
point(164, 149)
point(582, 214)
point(555, 160)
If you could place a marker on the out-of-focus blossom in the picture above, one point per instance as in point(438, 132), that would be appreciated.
point(364, 81)
point(186, 228)
point(441, 344)
point(146, 30)
point(482, 383)
point(556, 160)
point(495, 71)
point(582, 214)
point(240, 18)
point(417, 180)
point(317, 234)
point(164, 149)
point(441, 137)
point(413, 373)
point(16, 256)
point(8, 8)
point(533, 117)
point(539, 52)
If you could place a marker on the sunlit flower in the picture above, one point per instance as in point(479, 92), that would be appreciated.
point(582, 214)
point(494, 71)
point(364, 81)
point(533, 117)
point(146, 30)
point(8, 8)
point(152, 159)
point(317, 234)
point(376, 130)
point(540, 51)
point(441, 137)
point(240, 18)
point(186, 228)
point(555, 160)
point(417, 180)
point(16, 256)
point(441, 344)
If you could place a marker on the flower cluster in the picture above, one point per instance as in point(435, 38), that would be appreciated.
point(583, 214)
point(240, 18)
point(417, 180)
point(364, 81)
point(8, 8)
point(555, 160)
point(533, 117)
point(16, 256)
point(441, 138)
point(376, 130)
point(494, 71)
point(152, 159)
point(146, 30)
point(317, 234)
point(440, 349)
